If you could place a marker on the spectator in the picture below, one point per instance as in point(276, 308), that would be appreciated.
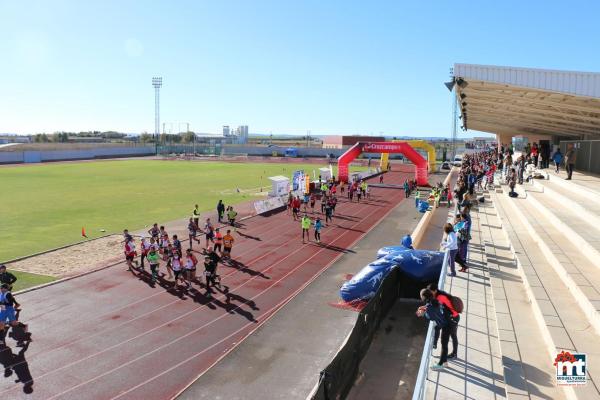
point(434, 311)
point(570, 159)
point(450, 244)
point(557, 158)
point(446, 300)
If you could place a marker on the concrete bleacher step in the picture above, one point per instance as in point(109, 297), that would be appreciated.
point(570, 224)
point(527, 371)
point(558, 297)
point(582, 184)
point(586, 207)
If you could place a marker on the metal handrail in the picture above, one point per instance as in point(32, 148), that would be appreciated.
point(421, 381)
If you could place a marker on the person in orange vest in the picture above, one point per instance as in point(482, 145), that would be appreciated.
point(218, 241)
point(227, 244)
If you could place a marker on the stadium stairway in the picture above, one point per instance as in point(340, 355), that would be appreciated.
point(554, 241)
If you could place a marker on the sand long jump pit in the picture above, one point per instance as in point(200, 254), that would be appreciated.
point(75, 259)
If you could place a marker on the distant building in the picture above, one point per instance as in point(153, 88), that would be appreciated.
point(242, 134)
point(342, 141)
point(226, 132)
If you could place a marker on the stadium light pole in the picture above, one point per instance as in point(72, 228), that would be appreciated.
point(157, 83)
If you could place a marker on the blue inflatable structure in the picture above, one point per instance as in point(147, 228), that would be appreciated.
point(418, 265)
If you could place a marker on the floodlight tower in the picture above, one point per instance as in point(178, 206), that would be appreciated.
point(157, 83)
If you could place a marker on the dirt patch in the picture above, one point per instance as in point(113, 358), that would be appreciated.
point(74, 260)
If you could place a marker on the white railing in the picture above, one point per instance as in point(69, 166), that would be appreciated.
point(421, 381)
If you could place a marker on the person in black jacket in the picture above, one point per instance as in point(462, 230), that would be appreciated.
point(220, 210)
point(438, 313)
point(7, 277)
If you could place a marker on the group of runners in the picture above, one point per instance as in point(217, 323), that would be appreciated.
point(9, 307)
point(158, 247)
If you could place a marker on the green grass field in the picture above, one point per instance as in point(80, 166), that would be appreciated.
point(44, 206)
point(25, 280)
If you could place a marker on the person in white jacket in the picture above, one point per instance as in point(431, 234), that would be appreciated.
point(450, 244)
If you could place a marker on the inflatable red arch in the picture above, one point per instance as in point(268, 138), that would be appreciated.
point(384, 147)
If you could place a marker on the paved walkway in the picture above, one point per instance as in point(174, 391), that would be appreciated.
point(477, 371)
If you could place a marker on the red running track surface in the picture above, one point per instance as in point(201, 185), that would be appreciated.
point(110, 335)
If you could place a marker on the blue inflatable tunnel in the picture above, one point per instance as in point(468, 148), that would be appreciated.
point(418, 265)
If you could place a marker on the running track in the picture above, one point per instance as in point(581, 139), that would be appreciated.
point(109, 335)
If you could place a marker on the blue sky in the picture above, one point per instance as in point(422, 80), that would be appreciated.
point(281, 66)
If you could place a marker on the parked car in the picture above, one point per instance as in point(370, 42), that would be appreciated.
point(445, 165)
point(457, 161)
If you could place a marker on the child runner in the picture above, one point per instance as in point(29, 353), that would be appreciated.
point(177, 267)
point(210, 271)
point(8, 316)
point(305, 201)
point(290, 203)
point(208, 231)
point(145, 246)
point(190, 267)
point(318, 226)
point(333, 204)
point(328, 212)
point(177, 245)
point(195, 215)
point(381, 178)
point(168, 257)
point(313, 198)
point(153, 259)
point(163, 233)
point(305, 223)
point(129, 252)
point(295, 207)
point(154, 232)
point(192, 232)
point(227, 244)
point(358, 193)
point(323, 203)
point(218, 241)
point(220, 210)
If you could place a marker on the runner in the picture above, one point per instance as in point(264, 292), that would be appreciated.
point(358, 192)
point(328, 212)
point(195, 215)
point(313, 199)
point(154, 232)
point(351, 192)
point(305, 223)
point(333, 204)
point(145, 246)
point(227, 244)
point(323, 203)
point(192, 232)
point(305, 201)
point(177, 268)
point(168, 253)
point(209, 232)
point(295, 207)
point(177, 246)
point(318, 226)
point(7, 277)
point(130, 252)
point(218, 241)
point(381, 178)
point(210, 271)
point(290, 203)
point(231, 215)
point(154, 262)
point(190, 267)
point(7, 312)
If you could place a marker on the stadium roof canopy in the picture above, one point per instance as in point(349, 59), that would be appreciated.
point(524, 101)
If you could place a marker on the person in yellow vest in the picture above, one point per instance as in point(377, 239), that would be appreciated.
point(305, 223)
point(417, 197)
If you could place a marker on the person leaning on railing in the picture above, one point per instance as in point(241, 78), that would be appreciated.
point(435, 311)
